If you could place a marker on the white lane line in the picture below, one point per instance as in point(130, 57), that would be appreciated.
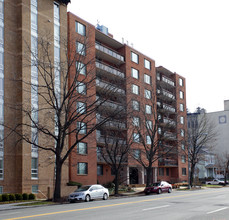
point(218, 210)
point(10, 213)
point(159, 207)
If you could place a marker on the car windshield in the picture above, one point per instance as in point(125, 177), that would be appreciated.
point(82, 188)
point(155, 184)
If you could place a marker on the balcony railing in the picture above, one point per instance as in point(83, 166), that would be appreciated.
point(109, 69)
point(169, 135)
point(110, 104)
point(168, 81)
point(109, 51)
point(108, 86)
point(110, 140)
point(116, 124)
point(169, 121)
point(167, 162)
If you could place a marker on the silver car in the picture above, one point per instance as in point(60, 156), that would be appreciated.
point(87, 193)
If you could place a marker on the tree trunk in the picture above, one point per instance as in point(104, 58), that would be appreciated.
point(57, 190)
point(191, 175)
point(116, 182)
point(148, 176)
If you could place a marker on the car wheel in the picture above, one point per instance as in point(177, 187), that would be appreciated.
point(169, 190)
point(147, 193)
point(159, 191)
point(105, 196)
point(87, 198)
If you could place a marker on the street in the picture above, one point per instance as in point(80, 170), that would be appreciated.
point(199, 204)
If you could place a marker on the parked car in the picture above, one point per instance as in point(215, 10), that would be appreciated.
point(215, 182)
point(87, 193)
point(158, 187)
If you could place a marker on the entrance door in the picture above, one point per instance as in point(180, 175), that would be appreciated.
point(133, 175)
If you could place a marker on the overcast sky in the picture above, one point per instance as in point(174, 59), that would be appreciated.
point(189, 37)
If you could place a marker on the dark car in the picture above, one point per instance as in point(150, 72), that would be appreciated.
point(158, 187)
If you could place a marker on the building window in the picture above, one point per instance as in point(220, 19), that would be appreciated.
point(148, 109)
point(147, 64)
point(167, 171)
point(134, 73)
point(148, 139)
point(184, 171)
point(82, 127)
point(136, 137)
point(148, 94)
point(136, 121)
point(147, 79)
point(80, 28)
point(35, 189)
point(135, 89)
point(81, 107)
point(137, 154)
point(80, 48)
point(149, 124)
point(1, 168)
point(183, 159)
point(1, 190)
point(181, 95)
point(159, 130)
point(182, 120)
point(80, 68)
point(82, 148)
point(134, 57)
point(181, 107)
point(182, 132)
point(181, 82)
point(99, 169)
point(34, 168)
point(82, 168)
point(161, 171)
point(182, 146)
point(136, 105)
point(81, 88)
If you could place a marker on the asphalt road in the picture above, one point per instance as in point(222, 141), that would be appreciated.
point(200, 204)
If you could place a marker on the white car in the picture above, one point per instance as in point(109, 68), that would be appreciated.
point(87, 193)
point(215, 182)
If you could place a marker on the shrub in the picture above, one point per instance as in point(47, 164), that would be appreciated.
point(18, 196)
point(25, 196)
point(0, 198)
point(12, 197)
point(31, 196)
point(72, 183)
point(5, 197)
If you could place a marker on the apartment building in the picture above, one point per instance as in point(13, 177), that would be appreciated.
point(24, 168)
point(136, 84)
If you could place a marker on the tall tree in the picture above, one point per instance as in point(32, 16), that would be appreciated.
point(201, 137)
point(65, 100)
point(154, 135)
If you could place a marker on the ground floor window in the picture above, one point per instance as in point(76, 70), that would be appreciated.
point(99, 170)
point(184, 171)
point(1, 189)
point(167, 171)
point(34, 188)
point(82, 168)
point(1, 168)
point(161, 171)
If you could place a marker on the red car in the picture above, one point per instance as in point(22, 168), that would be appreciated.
point(158, 187)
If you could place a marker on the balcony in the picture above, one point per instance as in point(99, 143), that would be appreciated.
point(167, 163)
point(110, 140)
point(106, 86)
point(165, 95)
point(112, 124)
point(165, 82)
point(168, 122)
point(165, 107)
point(169, 136)
point(108, 54)
point(109, 105)
point(109, 70)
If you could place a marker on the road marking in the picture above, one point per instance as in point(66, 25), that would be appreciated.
point(112, 205)
point(218, 210)
point(159, 207)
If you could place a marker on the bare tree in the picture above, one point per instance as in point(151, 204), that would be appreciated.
point(155, 136)
point(115, 148)
point(201, 136)
point(222, 163)
point(65, 100)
